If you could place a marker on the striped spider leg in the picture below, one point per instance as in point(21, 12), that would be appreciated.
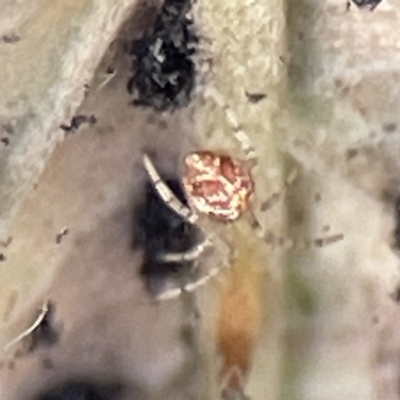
point(220, 187)
point(250, 157)
point(238, 132)
point(190, 216)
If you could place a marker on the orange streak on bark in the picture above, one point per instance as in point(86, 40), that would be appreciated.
point(239, 318)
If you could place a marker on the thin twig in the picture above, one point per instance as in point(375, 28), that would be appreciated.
point(43, 312)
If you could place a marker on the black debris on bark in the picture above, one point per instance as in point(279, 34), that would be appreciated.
point(60, 236)
point(82, 390)
point(397, 229)
point(370, 4)
point(164, 69)
point(77, 121)
point(11, 38)
point(255, 97)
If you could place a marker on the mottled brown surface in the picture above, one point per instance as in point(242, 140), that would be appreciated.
point(59, 46)
point(109, 323)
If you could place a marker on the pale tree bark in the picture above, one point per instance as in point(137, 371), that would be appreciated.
point(314, 86)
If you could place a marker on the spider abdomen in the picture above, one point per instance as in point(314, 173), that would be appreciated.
point(217, 185)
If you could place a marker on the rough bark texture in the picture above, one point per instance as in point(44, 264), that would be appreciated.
point(48, 52)
point(316, 89)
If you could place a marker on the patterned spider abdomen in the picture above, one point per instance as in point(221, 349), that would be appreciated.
point(217, 185)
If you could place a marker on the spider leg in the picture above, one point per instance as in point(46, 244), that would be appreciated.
point(276, 196)
point(322, 241)
point(268, 203)
point(190, 255)
point(326, 240)
point(287, 243)
point(238, 132)
point(166, 194)
point(201, 281)
point(190, 287)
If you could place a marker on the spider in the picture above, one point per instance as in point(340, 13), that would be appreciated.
point(218, 186)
